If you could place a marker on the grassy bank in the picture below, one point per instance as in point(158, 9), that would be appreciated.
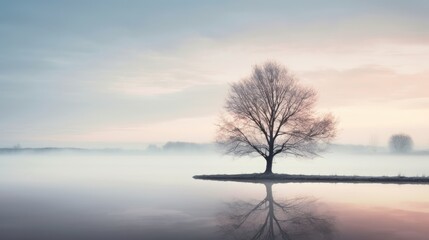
point(256, 177)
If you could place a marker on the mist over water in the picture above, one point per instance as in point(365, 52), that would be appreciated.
point(100, 196)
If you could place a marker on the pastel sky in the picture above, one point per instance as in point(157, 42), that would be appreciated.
point(129, 73)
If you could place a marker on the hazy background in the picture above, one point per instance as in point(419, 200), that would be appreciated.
point(129, 73)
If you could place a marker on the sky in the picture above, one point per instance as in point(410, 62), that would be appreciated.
point(130, 73)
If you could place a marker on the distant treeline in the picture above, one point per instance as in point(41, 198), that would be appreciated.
point(169, 147)
point(16, 150)
point(187, 148)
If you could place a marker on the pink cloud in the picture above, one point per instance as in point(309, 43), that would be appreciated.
point(368, 84)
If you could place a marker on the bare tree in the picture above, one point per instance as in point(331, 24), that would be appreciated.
point(400, 143)
point(270, 113)
point(290, 219)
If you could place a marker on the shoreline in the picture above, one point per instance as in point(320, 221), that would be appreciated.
point(296, 178)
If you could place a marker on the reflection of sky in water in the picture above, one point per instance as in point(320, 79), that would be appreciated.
point(138, 197)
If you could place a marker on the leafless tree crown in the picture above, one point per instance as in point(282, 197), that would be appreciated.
point(270, 113)
point(400, 143)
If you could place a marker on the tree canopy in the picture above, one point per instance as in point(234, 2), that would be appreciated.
point(270, 113)
point(400, 143)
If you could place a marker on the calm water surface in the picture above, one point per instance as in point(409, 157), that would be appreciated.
point(62, 196)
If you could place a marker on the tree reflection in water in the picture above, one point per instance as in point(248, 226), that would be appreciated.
point(290, 219)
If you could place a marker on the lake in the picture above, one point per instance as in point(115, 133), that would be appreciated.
point(99, 196)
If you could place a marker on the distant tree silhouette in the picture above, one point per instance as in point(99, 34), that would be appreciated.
point(270, 113)
point(268, 219)
point(400, 143)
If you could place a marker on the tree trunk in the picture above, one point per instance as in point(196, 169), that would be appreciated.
point(269, 167)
